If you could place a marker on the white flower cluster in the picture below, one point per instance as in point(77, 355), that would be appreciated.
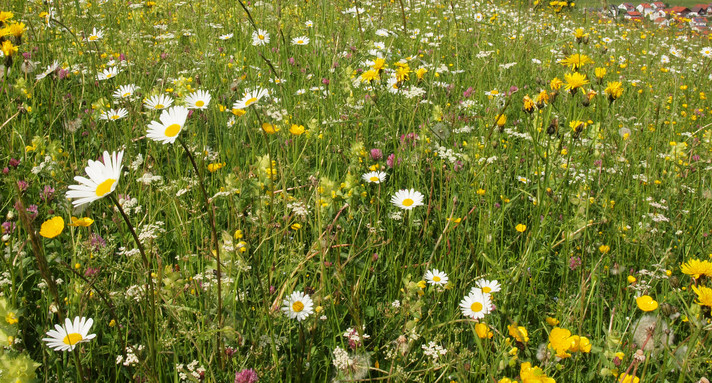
point(433, 350)
point(197, 373)
point(131, 359)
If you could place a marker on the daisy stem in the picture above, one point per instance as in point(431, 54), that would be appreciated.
point(78, 364)
point(214, 231)
point(150, 298)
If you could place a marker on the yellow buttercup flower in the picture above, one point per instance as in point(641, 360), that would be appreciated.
point(521, 228)
point(296, 130)
point(483, 331)
point(52, 227)
point(83, 222)
point(269, 128)
point(646, 303)
point(518, 332)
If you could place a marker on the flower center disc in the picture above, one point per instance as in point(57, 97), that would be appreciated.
point(251, 101)
point(72, 339)
point(373, 179)
point(436, 279)
point(158, 106)
point(104, 188)
point(199, 103)
point(172, 130)
point(93, 38)
point(476, 307)
point(407, 202)
point(486, 289)
point(297, 306)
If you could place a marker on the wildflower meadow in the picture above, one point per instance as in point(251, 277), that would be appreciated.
point(337, 191)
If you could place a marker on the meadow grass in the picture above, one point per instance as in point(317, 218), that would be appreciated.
point(568, 215)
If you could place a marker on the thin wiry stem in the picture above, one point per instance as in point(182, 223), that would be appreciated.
point(150, 297)
point(214, 231)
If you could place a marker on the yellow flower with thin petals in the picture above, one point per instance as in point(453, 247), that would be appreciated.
point(646, 303)
point(704, 295)
point(7, 48)
point(574, 81)
point(614, 90)
point(576, 61)
point(52, 227)
point(697, 268)
point(600, 72)
point(556, 84)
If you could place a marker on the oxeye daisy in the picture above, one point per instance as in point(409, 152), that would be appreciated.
point(50, 69)
point(374, 177)
point(108, 73)
point(102, 180)
point(298, 306)
point(198, 100)
point(114, 114)
point(407, 199)
point(436, 277)
point(226, 37)
point(488, 287)
point(251, 97)
point(95, 35)
point(125, 91)
point(260, 37)
point(158, 102)
point(476, 305)
point(172, 122)
point(301, 40)
point(65, 338)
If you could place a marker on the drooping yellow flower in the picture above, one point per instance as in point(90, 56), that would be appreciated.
point(52, 227)
point(483, 331)
point(531, 374)
point(646, 303)
point(16, 29)
point(576, 61)
point(579, 35)
point(378, 64)
point(552, 321)
point(5, 16)
point(528, 104)
point(542, 99)
point(501, 120)
point(574, 81)
point(697, 268)
point(704, 295)
point(83, 222)
point(556, 83)
point(518, 332)
point(402, 73)
point(614, 90)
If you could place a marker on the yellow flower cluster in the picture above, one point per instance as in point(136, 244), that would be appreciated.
point(563, 343)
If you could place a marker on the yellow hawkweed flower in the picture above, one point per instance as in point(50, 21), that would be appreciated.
point(614, 90)
point(574, 81)
point(704, 295)
point(697, 268)
point(576, 61)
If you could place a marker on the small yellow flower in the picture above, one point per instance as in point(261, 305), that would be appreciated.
point(10, 318)
point(518, 332)
point(215, 166)
point(646, 303)
point(521, 228)
point(552, 321)
point(604, 249)
point(481, 191)
point(631, 279)
point(52, 227)
point(704, 295)
point(83, 222)
point(501, 120)
point(296, 226)
point(483, 331)
point(296, 130)
point(269, 128)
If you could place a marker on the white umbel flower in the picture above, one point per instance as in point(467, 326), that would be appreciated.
point(65, 338)
point(198, 100)
point(298, 306)
point(407, 199)
point(158, 102)
point(172, 122)
point(436, 277)
point(476, 305)
point(251, 97)
point(103, 178)
point(374, 177)
point(114, 114)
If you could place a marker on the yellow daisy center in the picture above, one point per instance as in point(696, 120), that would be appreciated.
point(172, 130)
point(158, 106)
point(407, 202)
point(105, 187)
point(476, 307)
point(126, 94)
point(261, 37)
point(199, 103)
point(300, 42)
point(251, 101)
point(436, 279)
point(115, 117)
point(486, 289)
point(373, 179)
point(93, 38)
point(109, 75)
point(297, 306)
point(72, 339)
